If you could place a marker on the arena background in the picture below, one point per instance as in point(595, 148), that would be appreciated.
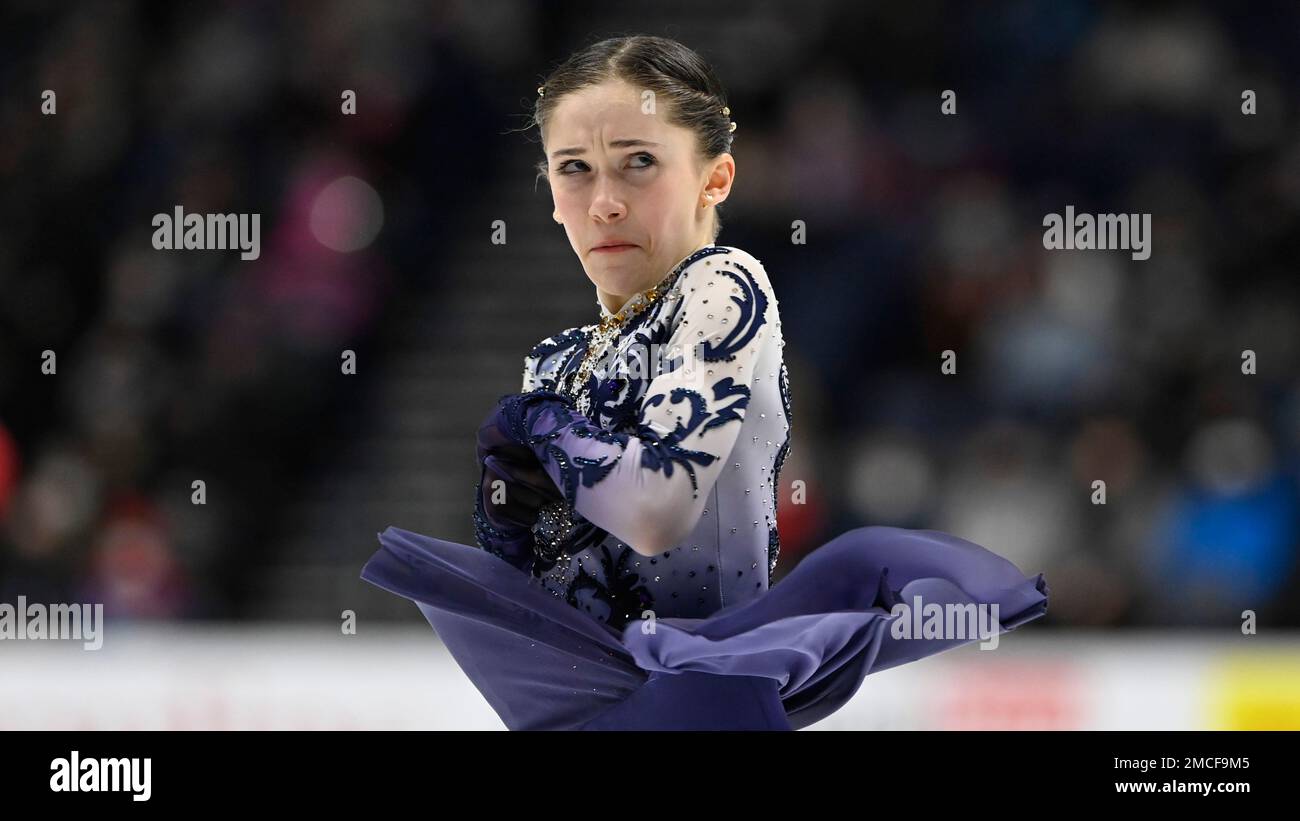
point(924, 234)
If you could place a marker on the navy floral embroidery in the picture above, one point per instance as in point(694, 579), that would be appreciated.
point(721, 390)
point(573, 340)
point(658, 452)
point(720, 311)
point(566, 339)
point(662, 452)
point(622, 590)
point(614, 401)
point(752, 303)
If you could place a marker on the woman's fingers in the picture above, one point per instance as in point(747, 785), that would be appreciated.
point(517, 454)
point(529, 474)
point(519, 501)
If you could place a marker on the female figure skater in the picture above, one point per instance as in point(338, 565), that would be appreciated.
point(627, 498)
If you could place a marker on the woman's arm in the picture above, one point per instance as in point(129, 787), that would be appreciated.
point(648, 484)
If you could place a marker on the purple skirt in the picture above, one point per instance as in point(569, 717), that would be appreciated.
point(781, 661)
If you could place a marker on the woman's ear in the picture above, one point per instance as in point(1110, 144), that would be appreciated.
point(721, 174)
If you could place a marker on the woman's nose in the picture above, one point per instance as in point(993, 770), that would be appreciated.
point(606, 204)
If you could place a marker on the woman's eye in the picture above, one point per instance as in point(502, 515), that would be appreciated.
point(649, 161)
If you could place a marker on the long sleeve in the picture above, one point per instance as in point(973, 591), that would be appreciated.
point(648, 483)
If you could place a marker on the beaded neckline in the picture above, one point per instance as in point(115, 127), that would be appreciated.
point(612, 326)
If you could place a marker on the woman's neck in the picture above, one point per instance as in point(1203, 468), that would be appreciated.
point(615, 302)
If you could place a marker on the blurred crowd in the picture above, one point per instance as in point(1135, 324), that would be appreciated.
point(1098, 427)
point(173, 368)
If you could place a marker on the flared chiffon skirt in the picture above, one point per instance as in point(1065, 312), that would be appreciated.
point(783, 660)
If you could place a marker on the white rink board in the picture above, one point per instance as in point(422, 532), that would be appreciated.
point(311, 677)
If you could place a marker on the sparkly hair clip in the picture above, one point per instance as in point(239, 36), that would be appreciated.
point(726, 112)
point(541, 91)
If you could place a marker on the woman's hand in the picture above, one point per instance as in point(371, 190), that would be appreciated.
point(508, 446)
point(524, 490)
point(503, 456)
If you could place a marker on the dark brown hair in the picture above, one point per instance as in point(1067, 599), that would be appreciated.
point(677, 75)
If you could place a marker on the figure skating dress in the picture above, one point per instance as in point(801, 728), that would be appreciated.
point(665, 426)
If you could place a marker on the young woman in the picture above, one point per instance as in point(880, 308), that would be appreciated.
point(626, 509)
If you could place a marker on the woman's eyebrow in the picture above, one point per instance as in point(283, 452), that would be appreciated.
point(574, 152)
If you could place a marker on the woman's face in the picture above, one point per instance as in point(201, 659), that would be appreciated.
point(619, 172)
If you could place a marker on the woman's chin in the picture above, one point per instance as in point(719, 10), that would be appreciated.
point(618, 278)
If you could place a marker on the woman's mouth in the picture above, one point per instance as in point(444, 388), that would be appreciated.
point(613, 249)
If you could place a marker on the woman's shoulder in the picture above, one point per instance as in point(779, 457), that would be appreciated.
point(737, 254)
point(730, 260)
point(558, 342)
point(733, 273)
point(543, 360)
